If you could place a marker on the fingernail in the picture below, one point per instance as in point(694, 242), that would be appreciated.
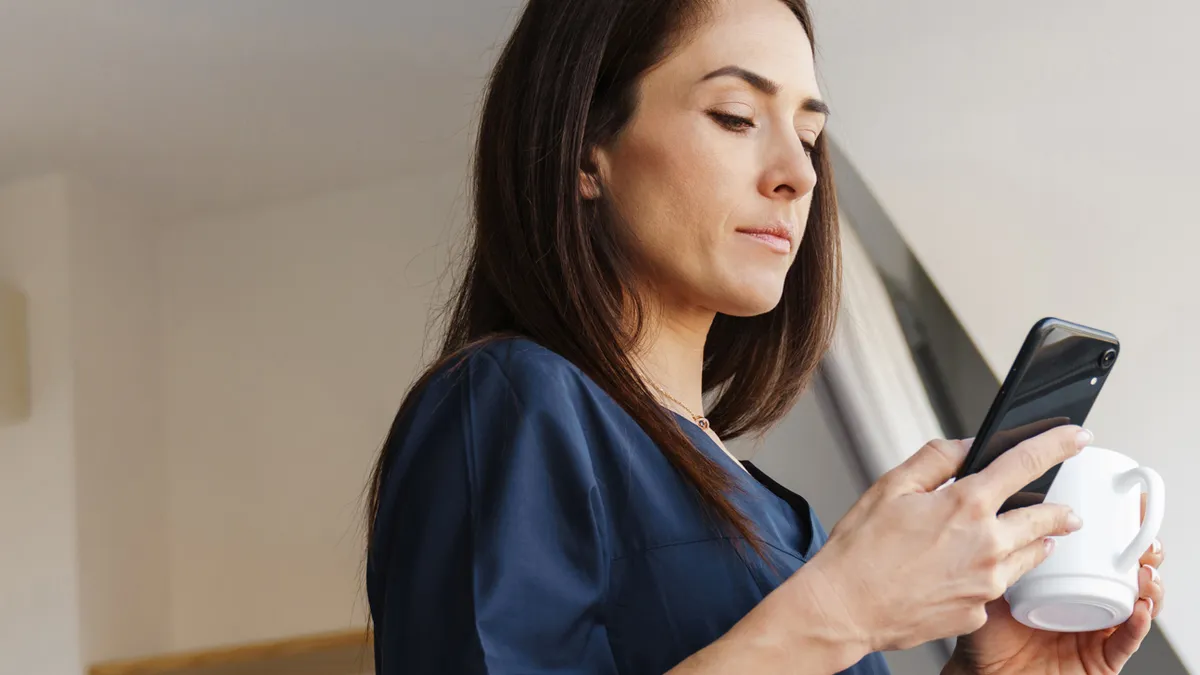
point(1154, 576)
point(1083, 438)
point(1156, 547)
point(1049, 542)
point(1074, 522)
point(1150, 602)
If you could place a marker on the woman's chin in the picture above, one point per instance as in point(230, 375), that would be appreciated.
point(752, 301)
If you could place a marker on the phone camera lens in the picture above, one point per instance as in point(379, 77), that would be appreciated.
point(1108, 358)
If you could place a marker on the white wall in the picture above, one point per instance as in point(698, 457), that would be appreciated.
point(119, 453)
point(1040, 160)
point(290, 336)
point(39, 582)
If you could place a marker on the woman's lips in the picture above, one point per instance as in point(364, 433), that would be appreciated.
point(777, 238)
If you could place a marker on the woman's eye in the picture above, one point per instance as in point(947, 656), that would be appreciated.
point(732, 122)
point(809, 148)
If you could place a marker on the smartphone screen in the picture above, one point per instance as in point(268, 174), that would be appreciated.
point(1054, 381)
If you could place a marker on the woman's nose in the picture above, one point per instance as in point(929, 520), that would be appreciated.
point(791, 175)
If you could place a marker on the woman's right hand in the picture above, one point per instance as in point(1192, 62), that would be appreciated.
point(910, 563)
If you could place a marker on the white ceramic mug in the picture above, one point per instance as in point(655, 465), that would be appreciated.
point(1090, 580)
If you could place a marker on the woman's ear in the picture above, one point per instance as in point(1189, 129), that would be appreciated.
point(589, 185)
point(590, 174)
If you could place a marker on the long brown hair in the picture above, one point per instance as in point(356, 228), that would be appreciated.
point(547, 265)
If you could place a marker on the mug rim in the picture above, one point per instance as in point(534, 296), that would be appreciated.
point(1106, 451)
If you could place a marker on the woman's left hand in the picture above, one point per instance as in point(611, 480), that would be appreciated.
point(1004, 645)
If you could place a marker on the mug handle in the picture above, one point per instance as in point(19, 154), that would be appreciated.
point(1155, 503)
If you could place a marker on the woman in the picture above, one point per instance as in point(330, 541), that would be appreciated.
point(655, 220)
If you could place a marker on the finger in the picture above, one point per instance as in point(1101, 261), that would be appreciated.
point(1011, 437)
point(1021, 465)
point(1154, 556)
point(1125, 641)
point(1142, 519)
point(929, 467)
point(1150, 586)
point(1026, 558)
point(1023, 526)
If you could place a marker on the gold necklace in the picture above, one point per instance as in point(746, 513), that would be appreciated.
point(700, 420)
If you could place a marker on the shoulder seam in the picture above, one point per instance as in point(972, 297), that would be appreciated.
point(508, 380)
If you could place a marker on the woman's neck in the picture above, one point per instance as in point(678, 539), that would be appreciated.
point(671, 356)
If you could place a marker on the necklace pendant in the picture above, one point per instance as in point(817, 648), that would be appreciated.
point(701, 422)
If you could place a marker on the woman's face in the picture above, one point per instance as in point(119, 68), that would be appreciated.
point(716, 157)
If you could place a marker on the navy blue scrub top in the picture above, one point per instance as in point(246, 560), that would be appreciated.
point(527, 524)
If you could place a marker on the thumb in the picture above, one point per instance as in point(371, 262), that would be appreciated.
point(935, 463)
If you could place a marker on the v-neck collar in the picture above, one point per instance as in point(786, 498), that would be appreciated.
point(759, 479)
point(692, 430)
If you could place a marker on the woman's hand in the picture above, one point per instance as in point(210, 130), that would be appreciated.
point(1005, 645)
point(912, 563)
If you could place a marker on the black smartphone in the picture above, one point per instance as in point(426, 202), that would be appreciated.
point(1054, 381)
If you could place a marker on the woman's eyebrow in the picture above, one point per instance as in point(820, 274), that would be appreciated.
point(765, 85)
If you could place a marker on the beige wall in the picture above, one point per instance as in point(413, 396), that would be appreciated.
point(39, 583)
point(83, 498)
point(290, 335)
point(120, 460)
point(227, 382)
point(207, 400)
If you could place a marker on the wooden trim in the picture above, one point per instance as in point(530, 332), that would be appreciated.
point(235, 654)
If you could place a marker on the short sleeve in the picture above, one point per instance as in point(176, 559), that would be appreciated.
point(489, 553)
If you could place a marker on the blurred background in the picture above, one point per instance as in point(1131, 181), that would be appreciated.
point(224, 225)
